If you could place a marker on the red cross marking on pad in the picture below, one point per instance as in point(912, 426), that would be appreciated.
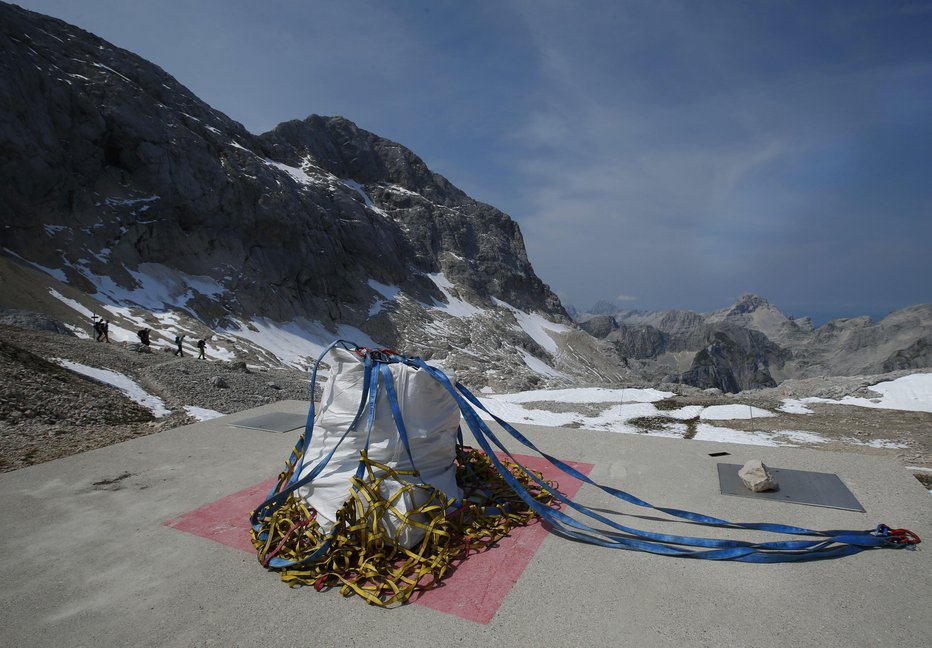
point(474, 591)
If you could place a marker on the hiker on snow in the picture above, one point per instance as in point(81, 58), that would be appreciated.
point(144, 336)
point(178, 340)
point(201, 345)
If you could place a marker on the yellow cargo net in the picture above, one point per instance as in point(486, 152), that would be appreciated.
point(366, 559)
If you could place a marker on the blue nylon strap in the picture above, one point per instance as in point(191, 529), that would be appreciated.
point(682, 540)
point(372, 376)
point(722, 549)
point(279, 563)
point(396, 412)
point(860, 536)
point(557, 519)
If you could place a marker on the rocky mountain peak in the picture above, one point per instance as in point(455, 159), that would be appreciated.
point(121, 184)
point(678, 321)
point(748, 303)
point(340, 147)
point(599, 326)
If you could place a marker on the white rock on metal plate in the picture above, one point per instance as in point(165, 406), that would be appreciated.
point(755, 476)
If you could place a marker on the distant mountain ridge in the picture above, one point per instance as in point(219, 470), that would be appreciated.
point(753, 344)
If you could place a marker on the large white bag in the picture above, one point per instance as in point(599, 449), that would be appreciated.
point(431, 418)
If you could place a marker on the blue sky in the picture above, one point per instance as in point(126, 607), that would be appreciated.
point(661, 153)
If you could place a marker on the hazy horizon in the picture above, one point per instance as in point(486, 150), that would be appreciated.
point(819, 317)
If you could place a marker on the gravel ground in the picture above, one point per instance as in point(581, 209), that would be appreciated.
point(47, 411)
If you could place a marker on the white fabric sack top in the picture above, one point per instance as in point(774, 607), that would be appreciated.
point(431, 418)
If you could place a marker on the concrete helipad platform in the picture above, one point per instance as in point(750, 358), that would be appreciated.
point(140, 544)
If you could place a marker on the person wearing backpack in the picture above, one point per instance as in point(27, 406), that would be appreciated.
point(178, 340)
point(201, 345)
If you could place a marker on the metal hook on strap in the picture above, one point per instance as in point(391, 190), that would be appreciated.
point(897, 537)
point(378, 355)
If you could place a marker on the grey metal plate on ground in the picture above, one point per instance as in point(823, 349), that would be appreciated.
point(274, 422)
point(796, 486)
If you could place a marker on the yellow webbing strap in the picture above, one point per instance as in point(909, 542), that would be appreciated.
point(365, 559)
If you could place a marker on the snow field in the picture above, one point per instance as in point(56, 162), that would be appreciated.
point(911, 393)
point(622, 406)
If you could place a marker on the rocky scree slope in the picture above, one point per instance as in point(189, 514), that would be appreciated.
point(48, 411)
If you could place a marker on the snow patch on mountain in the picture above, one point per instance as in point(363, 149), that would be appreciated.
point(298, 174)
point(536, 326)
point(71, 303)
point(540, 367)
point(297, 343)
point(627, 405)
point(361, 192)
point(126, 385)
point(131, 202)
point(586, 395)
point(390, 293)
point(157, 286)
point(455, 306)
point(877, 443)
point(794, 406)
point(706, 432)
point(57, 273)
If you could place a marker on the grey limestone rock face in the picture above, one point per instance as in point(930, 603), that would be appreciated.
point(599, 326)
point(640, 341)
point(918, 355)
point(677, 322)
point(734, 360)
point(475, 245)
point(112, 167)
